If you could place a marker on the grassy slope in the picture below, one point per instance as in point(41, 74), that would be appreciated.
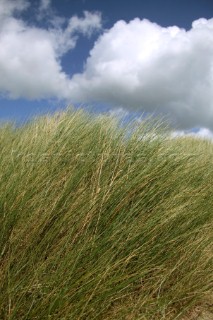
point(97, 224)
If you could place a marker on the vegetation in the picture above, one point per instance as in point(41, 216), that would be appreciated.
point(103, 221)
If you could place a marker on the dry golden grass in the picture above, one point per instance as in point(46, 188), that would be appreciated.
point(100, 221)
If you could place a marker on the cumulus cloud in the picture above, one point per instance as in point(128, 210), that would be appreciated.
point(143, 66)
point(136, 65)
point(202, 133)
point(30, 57)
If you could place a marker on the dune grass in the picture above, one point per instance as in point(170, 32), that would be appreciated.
point(98, 223)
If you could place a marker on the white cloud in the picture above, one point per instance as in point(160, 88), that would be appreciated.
point(205, 133)
point(137, 65)
point(85, 25)
point(143, 66)
point(202, 133)
point(30, 57)
point(45, 12)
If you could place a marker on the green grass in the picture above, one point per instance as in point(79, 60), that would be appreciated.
point(98, 223)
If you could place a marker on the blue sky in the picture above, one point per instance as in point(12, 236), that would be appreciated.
point(119, 56)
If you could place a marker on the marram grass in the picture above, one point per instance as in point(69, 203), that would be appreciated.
point(98, 223)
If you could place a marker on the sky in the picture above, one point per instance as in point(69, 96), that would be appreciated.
point(130, 57)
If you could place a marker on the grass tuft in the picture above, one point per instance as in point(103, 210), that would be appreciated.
point(102, 221)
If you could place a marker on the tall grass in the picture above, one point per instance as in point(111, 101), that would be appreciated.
point(98, 223)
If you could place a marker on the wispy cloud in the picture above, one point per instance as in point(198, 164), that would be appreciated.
point(44, 4)
point(9, 7)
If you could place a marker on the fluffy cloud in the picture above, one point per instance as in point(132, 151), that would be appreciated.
point(202, 133)
point(30, 57)
point(136, 65)
point(143, 66)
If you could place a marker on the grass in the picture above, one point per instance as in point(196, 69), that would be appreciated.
point(98, 223)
